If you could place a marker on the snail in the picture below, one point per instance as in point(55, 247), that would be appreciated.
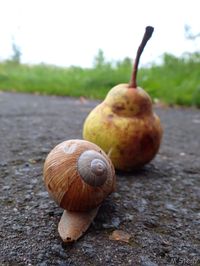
point(78, 175)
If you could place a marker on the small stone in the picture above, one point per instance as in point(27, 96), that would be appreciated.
point(170, 207)
point(145, 261)
point(151, 223)
point(43, 194)
point(40, 257)
point(43, 264)
point(87, 245)
point(141, 205)
point(32, 161)
point(140, 209)
point(59, 251)
point(55, 247)
point(198, 215)
point(184, 211)
point(27, 197)
point(16, 227)
point(108, 258)
point(116, 195)
point(115, 222)
point(88, 250)
point(44, 206)
point(165, 243)
point(6, 187)
point(29, 187)
point(138, 185)
point(34, 181)
point(196, 121)
point(128, 217)
point(28, 229)
point(61, 263)
point(3, 164)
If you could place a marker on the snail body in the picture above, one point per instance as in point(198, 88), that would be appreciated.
point(79, 176)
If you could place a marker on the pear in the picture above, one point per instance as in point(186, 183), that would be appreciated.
point(124, 124)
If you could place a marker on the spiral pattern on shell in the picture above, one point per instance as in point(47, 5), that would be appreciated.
point(78, 175)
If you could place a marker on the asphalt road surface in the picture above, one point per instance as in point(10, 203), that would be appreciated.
point(158, 206)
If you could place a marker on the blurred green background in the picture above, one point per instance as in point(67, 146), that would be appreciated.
point(174, 81)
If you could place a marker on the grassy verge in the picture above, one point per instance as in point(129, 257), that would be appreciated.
point(175, 81)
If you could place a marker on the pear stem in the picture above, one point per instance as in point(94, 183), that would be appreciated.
point(147, 35)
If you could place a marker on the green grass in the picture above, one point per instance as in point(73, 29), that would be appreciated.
point(175, 81)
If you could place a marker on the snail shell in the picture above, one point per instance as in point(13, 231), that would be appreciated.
point(78, 175)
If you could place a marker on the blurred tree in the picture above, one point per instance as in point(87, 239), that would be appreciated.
point(189, 35)
point(16, 57)
point(99, 60)
point(126, 62)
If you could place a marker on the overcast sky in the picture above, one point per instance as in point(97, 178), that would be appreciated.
point(70, 32)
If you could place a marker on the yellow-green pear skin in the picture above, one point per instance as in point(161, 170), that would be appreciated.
point(125, 127)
